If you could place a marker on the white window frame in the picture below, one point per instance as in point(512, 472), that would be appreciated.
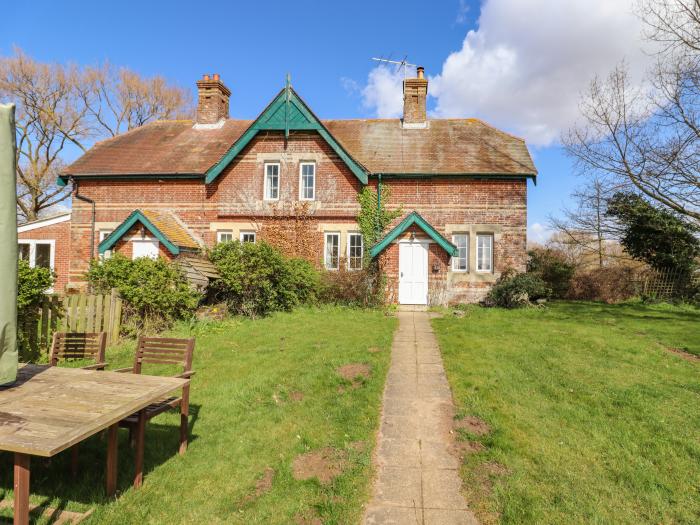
point(301, 182)
point(478, 253)
point(220, 234)
point(145, 240)
point(265, 184)
point(248, 232)
point(362, 249)
point(101, 236)
point(32, 250)
point(455, 260)
point(325, 250)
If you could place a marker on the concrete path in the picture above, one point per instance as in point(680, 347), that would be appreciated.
point(417, 478)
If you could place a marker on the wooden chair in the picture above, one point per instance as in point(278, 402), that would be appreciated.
point(161, 350)
point(79, 345)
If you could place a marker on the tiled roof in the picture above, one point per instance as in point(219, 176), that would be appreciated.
point(450, 146)
point(171, 228)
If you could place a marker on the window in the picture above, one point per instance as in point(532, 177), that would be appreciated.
point(484, 253)
point(355, 251)
point(224, 236)
point(332, 251)
point(103, 234)
point(37, 253)
point(307, 181)
point(272, 181)
point(144, 248)
point(460, 261)
point(247, 237)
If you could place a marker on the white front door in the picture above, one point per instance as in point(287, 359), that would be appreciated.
point(144, 248)
point(413, 273)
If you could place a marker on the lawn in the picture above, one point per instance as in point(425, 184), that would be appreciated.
point(265, 392)
point(592, 418)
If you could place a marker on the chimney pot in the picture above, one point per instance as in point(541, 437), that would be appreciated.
point(213, 100)
point(420, 70)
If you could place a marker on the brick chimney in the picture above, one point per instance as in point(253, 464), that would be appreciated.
point(415, 92)
point(212, 105)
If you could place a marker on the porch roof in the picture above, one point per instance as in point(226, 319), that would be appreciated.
point(411, 219)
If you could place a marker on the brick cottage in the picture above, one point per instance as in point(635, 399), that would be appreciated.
point(172, 188)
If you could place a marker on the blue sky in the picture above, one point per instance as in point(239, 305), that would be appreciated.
point(523, 80)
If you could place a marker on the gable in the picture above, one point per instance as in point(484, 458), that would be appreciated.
point(164, 228)
point(407, 222)
point(287, 112)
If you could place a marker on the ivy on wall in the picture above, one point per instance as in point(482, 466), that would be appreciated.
point(374, 217)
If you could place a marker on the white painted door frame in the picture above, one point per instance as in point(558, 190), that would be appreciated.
point(413, 272)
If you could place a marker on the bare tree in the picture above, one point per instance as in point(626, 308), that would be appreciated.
point(586, 230)
point(62, 109)
point(648, 137)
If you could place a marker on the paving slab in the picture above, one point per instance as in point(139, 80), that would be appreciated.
point(417, 480)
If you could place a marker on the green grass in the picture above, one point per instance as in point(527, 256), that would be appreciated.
point(243, 422)
point(594, 420)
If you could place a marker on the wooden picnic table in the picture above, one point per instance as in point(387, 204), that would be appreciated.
point(49, 409)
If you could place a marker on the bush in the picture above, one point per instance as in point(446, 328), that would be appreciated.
point(552, 267)
point(32, 284)
point(610, 284)
point(514, 290)
point(154, 290)
point(257, 279)
point(352, 288)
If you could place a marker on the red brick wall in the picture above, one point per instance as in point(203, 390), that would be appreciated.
point(60, 233)
point(237, 195)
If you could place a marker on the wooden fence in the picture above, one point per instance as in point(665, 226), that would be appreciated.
point(74, 313)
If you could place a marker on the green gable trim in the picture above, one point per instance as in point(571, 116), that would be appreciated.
point(136, 216)
point(410, 220)
point(286, 112)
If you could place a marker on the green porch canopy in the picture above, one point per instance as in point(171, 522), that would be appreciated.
point(411, 219)
point(8, 240)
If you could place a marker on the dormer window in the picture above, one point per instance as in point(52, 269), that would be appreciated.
point(272, 181)
point(307, 181)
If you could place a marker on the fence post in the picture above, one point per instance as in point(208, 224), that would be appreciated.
point(115, 312)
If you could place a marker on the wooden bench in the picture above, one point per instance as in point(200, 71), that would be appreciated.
point(67, 346)
point(162, 350)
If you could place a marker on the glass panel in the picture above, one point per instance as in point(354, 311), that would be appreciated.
point(273, 178)
point(42, 255)
point(461, 242)
point(484, 253)
point(23, 251)
point(225, 236)
point(308, 173)
point(332, 246)
point(355, 251)
point(247, 237)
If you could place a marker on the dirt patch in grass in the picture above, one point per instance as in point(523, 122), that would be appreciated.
point(684, 355)
point(308, 517)
point(296, 396)
point(465, 448)
point(325, 465)
point(374, 349)
point(262, 486)
point(355, 373)
point(479, 491)
point(473, 425)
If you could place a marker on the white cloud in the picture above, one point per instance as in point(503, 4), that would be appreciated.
point(538, 233)
point(383, 92)
point(524, 68)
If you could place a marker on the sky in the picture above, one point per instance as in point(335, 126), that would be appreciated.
point(520, 65)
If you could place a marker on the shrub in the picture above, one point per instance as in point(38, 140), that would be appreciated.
point(32, 284)
point(552, 267)
point(154, 290)
point(352, 288)
point(257, 279)
point(514, 290)
point(610, 284)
